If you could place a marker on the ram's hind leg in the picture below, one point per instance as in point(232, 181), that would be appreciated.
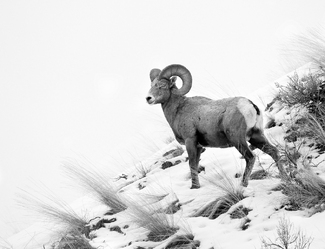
point(259, 141)
point(243, 148)
point(240, 143)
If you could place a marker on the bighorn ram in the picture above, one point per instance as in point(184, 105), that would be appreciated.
point(200, 122)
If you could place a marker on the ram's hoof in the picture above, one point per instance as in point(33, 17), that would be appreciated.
point(195, 186)
point(244, 184)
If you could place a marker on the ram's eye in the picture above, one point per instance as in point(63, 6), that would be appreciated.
point(162, 84)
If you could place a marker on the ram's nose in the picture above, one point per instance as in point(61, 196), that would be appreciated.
point(150, 100)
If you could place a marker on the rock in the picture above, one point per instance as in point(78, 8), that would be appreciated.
point(174, 153)
point(240, 212)
point(95, 225)
point(166, 165)
point(259, 175)
point(183, 241)
point(116, 229)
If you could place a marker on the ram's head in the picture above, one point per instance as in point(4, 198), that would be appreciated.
point(163, 83)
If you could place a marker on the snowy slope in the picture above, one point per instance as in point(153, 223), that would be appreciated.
point(167, 181)
point(267, 206)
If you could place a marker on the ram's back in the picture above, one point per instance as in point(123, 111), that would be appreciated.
point(212, 121)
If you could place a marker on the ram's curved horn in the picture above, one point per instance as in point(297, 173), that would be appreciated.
point(180, 71)
point(154, 73)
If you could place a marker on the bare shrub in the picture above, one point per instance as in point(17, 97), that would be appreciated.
point(287, 238)
point(307, 91)
point(290, 154)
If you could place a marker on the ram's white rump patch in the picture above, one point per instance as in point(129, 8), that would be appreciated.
point(247, 109)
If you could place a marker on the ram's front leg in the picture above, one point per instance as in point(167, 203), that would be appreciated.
point(193, 155)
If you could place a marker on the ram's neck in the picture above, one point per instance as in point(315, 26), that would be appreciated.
point(172, 107)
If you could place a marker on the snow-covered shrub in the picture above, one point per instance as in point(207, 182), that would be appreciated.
point(308, 92)
point(287, 238)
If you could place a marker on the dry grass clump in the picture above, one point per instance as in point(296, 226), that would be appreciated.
point(231, 191)
point(99, 185)
point(142, 169)
point(315, 127)
point(310, 46)
point(71, 240)
point(153, 216)
point(305, 190)
point(287, 238)
point(53, 209)
point(183, 242)
point(160, 225)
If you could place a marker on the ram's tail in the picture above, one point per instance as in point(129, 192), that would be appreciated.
point(259, 117)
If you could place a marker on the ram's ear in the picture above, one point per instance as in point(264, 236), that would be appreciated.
point(154, 73)
point(173, 81)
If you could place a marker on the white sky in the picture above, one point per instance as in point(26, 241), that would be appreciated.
point(74, 74)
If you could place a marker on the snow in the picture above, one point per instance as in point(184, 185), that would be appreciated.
point(266, 204)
